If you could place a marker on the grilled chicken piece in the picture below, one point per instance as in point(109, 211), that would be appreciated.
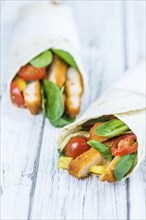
point(57, 71)
point(32, 97)
point(96, 137)
point(80, 166)
point(108, 175)
point(74, 90)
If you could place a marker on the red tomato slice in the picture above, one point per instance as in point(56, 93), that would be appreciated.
point(76, 146)
point(29, 72)
point(16, 95)
point(124, 145)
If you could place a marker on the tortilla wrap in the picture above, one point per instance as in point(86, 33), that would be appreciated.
point(126, 100)
point(40, 27)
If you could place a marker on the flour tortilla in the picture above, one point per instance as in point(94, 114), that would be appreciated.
point(40, 27)
point(128, 103)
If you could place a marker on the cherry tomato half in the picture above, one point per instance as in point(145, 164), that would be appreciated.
point(124, 145)
point(76, 146)
point(29, 72)
point(16, 95)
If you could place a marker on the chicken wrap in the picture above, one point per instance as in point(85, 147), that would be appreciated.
point(45, 70)
point(109, 139)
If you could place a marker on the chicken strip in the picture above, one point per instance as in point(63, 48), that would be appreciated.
point(74, 90)
point(32, 97)
point(80, 166)
point(108, 175)
point(94, 136)
point(58, 71)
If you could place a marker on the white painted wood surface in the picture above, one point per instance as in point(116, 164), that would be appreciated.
point(112, 40)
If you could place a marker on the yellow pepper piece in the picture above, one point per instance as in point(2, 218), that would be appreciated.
point(64, 162)
point(20, 83)
point(97, 169)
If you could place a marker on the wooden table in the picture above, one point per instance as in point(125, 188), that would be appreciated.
point(112, 39)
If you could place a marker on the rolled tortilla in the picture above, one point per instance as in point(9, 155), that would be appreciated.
point(126, 100)
point(42, 26)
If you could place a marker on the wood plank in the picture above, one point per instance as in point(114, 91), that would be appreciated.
point(21, 136)
point(58, 195)
point(135, 32)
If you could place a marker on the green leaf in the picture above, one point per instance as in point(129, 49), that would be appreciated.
point(61, 154)
point(54, 106)
point(67, 57)
point(63, 121)
point(42, 60)
point(111, 128)
point(124, 165)
point(102, 148)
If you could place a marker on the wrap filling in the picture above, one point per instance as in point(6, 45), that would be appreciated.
point(52, 83)
point(104, 146)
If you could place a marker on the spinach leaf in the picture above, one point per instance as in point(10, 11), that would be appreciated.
point(102, 148)
point(61, 154)
point(54, 106)
point(124, 165)
point(63, 121)
point(111, 128)
point(67, 57)
point(42, 60)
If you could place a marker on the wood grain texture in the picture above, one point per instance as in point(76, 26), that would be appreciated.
point(112, 40)
point(21, 137)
